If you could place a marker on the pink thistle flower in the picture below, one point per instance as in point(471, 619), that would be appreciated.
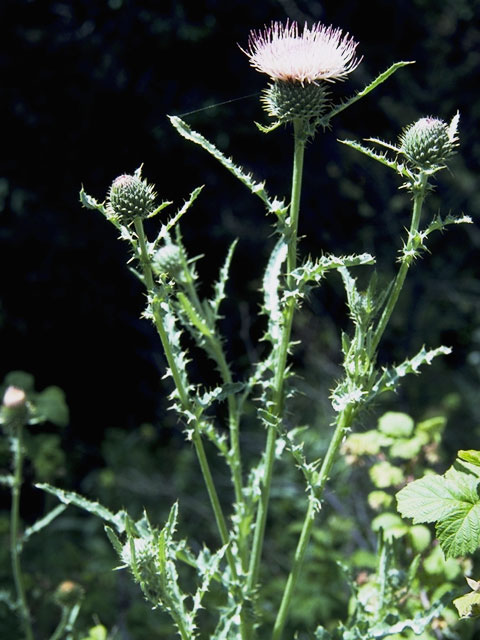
point(318, 53)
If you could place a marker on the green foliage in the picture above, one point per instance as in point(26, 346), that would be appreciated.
point(451, 501)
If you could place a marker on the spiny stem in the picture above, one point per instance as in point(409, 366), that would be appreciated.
point(345, 418)
point(281, 359)
point(344, 421)
point(17, 444)
point(419, 197)
point(184, 397)
point(233, 417)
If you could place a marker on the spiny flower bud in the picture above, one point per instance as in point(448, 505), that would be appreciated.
point(429, 142)
point(130, 197)
point(289, 100)
point(168, 259)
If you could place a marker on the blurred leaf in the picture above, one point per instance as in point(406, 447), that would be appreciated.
point(396, 424)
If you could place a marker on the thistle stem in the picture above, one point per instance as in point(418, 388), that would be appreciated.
point(344, 421)
point(17, 444)
point(345, 418)
point(281, 358)
point(184, 398)
point(235, 461)
point(408, 256)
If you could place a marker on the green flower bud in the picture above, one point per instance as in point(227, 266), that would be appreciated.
point(130, 197)
point(168, 259)
point(429, 142)
point(289, 100)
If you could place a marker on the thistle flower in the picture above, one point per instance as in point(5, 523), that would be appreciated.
point(130, 197)
point(299, 64)
point(319, 53)
point(429, 142)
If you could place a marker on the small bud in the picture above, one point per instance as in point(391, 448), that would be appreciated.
point(429, 142)
point(68, 593)
point(14, 398)
point(289, 100)
point(168, 259)
point(130, 197)
point(14, 410)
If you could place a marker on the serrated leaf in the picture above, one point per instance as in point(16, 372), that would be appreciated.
point(452, 502)
point(43, 522)
point(196, 320)
point(114, 540)
point(70, 497)
point(257, 188)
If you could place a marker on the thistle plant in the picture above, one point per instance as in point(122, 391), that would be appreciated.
point(301, 66)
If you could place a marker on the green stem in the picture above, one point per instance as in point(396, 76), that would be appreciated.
point(17, 441)
point(189, 407)
point(233, 417)
point(281, 360)
point(184, 397)
point(408, 256)
point(345, 418)
point(344, 421)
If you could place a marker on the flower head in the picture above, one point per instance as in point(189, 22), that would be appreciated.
point(318, 53)
point(429, 142)
point(129, 197)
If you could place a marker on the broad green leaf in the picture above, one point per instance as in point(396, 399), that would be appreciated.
point(51, 405)
point(383, 474)
point(459, 532)
point(396, 424)
point(435, 497)
point(470, 455)
point(452, 502)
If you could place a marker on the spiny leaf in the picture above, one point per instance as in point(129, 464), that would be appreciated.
point(43, 522)
point(196, 320)
point(375, 83)
point(70, 497)
point(220, 285)
point(257, 188)
point(271, 287)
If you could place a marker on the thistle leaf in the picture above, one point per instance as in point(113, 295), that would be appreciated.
point(70, 497)
point(361, 94)
point(257, 188)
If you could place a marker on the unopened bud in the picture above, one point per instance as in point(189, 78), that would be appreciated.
point(168, 259)
point(429, 142)
point(68, 593)
point(130, 197)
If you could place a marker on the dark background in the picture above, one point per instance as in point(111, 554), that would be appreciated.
point(85, 90)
